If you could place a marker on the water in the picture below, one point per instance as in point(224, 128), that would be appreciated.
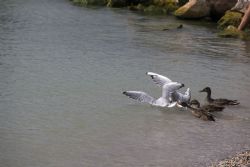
point(63, 69)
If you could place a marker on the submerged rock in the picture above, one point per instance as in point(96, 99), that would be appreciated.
point(110, 3)
point(90, 2)
point(117, 3)
point(147, 6)
point(172, 27)
point(233, 32)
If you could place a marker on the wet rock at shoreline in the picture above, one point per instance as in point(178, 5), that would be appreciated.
point(157, 7)
point(90, 2)
point(241, 6)
point(116, 3)
point(233, 32)
point(230, 18)
point(239, 160)
point(219, 7)
point(196, 9)
point(110, 3)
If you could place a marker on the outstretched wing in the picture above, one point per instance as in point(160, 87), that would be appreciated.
point(160, 80)
point(140, 96)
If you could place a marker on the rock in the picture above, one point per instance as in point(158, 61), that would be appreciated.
point(230, 18)
point(230, 31)
point(182, 2)
point(241, 6)
point(172, 27)
point(123, 3)
point(201, 8)
point(233, 32)
point(194, 9)
point(111, 3)
point(238, 160)
point(157, 7)
point(90, 2)
point(219, 7)
point(152, 9)
point(117, 3)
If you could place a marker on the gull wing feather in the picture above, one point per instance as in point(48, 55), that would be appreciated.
point(187, 95)
point(180, 98)
point(140, 96)
point(170, 88)
point(160, 80)
point(172, 104)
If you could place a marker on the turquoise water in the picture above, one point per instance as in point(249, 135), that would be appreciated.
point(63, 69)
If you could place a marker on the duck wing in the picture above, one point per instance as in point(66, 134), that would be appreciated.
point(225, 102)
point(212, 108)
point(207, 116)
point(160, 80)
point(202, 114)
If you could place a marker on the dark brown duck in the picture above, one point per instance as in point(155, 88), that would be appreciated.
point(206, 107)
point(220, 101)
point(199, 113)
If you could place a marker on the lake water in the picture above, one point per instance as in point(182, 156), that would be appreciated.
point(63, 69)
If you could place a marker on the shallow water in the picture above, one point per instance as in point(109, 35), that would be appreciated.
point(63, 69)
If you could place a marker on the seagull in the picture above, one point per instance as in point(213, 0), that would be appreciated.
point(176, 96)
point(168, 87)
point(181, 98)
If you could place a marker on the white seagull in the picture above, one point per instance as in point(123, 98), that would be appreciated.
point(175, 96)
point(168, 87)
point(181, 98)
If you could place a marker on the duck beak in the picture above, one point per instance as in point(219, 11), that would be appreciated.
point(201, 91)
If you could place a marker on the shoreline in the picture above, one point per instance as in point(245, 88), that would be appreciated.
point(241, 159)
point(226, 25)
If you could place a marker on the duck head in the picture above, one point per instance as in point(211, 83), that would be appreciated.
point(184, 104)
point(195, 103)
point(206, 89)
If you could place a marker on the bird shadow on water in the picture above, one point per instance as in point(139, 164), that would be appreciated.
point(139, 107)
point(227, 115)
point(172, 110)
point(160, 110)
